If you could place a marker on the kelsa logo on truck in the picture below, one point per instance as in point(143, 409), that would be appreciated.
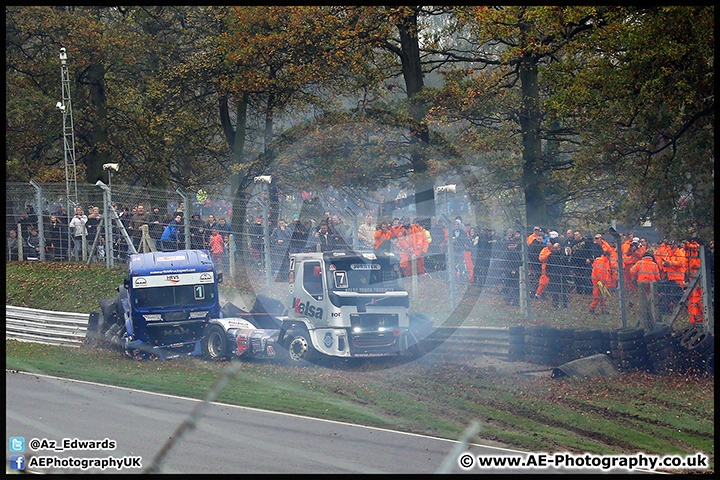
point(307, 309)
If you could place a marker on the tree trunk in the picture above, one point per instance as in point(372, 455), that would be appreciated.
point(533, 178)
point(98, 101)
point(419, 133)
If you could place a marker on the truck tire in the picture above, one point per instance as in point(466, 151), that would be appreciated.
point(299, 347)
point(214, 344)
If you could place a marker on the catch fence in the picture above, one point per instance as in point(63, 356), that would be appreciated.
point(487, 278)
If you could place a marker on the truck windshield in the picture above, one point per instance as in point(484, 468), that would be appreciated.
point(364, 276)
point(174, 296)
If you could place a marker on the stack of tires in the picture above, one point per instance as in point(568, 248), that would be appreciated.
point(541, 345)
point(661, 349)
point(614, 350)
point(587, 342)
point(516, 348)
point(697, 346)
point(633, 354)
point(566, 345)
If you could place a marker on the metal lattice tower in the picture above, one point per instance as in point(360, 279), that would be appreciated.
point(68, 135)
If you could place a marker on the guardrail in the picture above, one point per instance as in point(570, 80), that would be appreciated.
point(68, 329)
point(45, 326)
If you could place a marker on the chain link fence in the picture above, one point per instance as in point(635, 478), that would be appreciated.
point(506, 274)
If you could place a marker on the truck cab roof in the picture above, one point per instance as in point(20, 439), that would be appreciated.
point(180, 261)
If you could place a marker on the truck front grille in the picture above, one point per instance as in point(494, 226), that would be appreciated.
point(162, 334)
point(373, 322)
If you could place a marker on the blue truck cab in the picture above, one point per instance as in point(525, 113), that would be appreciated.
point(168, 299)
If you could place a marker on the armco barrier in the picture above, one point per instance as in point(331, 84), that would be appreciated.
point(65, 328)
point(44, 326)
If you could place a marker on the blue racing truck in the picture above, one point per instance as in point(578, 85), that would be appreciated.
point(163, 307)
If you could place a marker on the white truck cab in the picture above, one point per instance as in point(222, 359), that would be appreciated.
point(345, 303)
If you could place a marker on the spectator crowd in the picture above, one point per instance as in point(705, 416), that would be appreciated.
point(558, 263)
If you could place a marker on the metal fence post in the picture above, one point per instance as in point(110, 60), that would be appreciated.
point(707, 295)
point(414, 276)
point(450, 264)
point(524, 281)
point(621, 280)
point(41, 222)
point(109, 247)
point(266, 243)
point(232, 255)
point(186, 218)
point(21, 255)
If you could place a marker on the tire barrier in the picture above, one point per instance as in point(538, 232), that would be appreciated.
point(661, 349)
point(633, 351)
point(566, 345)
point(516, 343)
point(587, 342)
point(541, 345)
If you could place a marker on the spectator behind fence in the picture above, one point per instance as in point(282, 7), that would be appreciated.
point(298, 236)
point(510, 261)
point(557, 269)
point(436, 250)
point(544, 280)
point(31, 249)
point(217, 246)
point(224, 227)
point(383, 238)
point(600, 277)
point(197, 233)
point(583, 255)
point(93, 224)
point(366, 233)
point(534, 247)
point(257, 242)
point(56, 239)
point(11, 244)
point(279, 245)
point(632, 251)
point(139, 219)
point(28, 218)
point(322, 240)
point(420, 243)
point(484, 251)
point(459, 243)
point(77, 226)
point(156, 225)
point(171, 237)
point(673, 263)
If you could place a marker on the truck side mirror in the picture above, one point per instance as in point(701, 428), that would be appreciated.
point(126, 283)
point(219, 277)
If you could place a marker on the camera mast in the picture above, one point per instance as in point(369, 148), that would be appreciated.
point(65, 108)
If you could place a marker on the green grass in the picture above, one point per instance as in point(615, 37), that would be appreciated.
point(637, 413)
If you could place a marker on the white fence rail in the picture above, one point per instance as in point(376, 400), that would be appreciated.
point(45, 326)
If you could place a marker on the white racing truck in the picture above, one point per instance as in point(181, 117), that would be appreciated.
point(343, 304)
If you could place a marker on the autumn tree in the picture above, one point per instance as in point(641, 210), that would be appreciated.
point(644, 88)
point(137, 97)
point(286, 63)
point(550, 103)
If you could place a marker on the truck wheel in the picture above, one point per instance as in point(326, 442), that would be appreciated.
point(214, 343)
point(299, 347)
